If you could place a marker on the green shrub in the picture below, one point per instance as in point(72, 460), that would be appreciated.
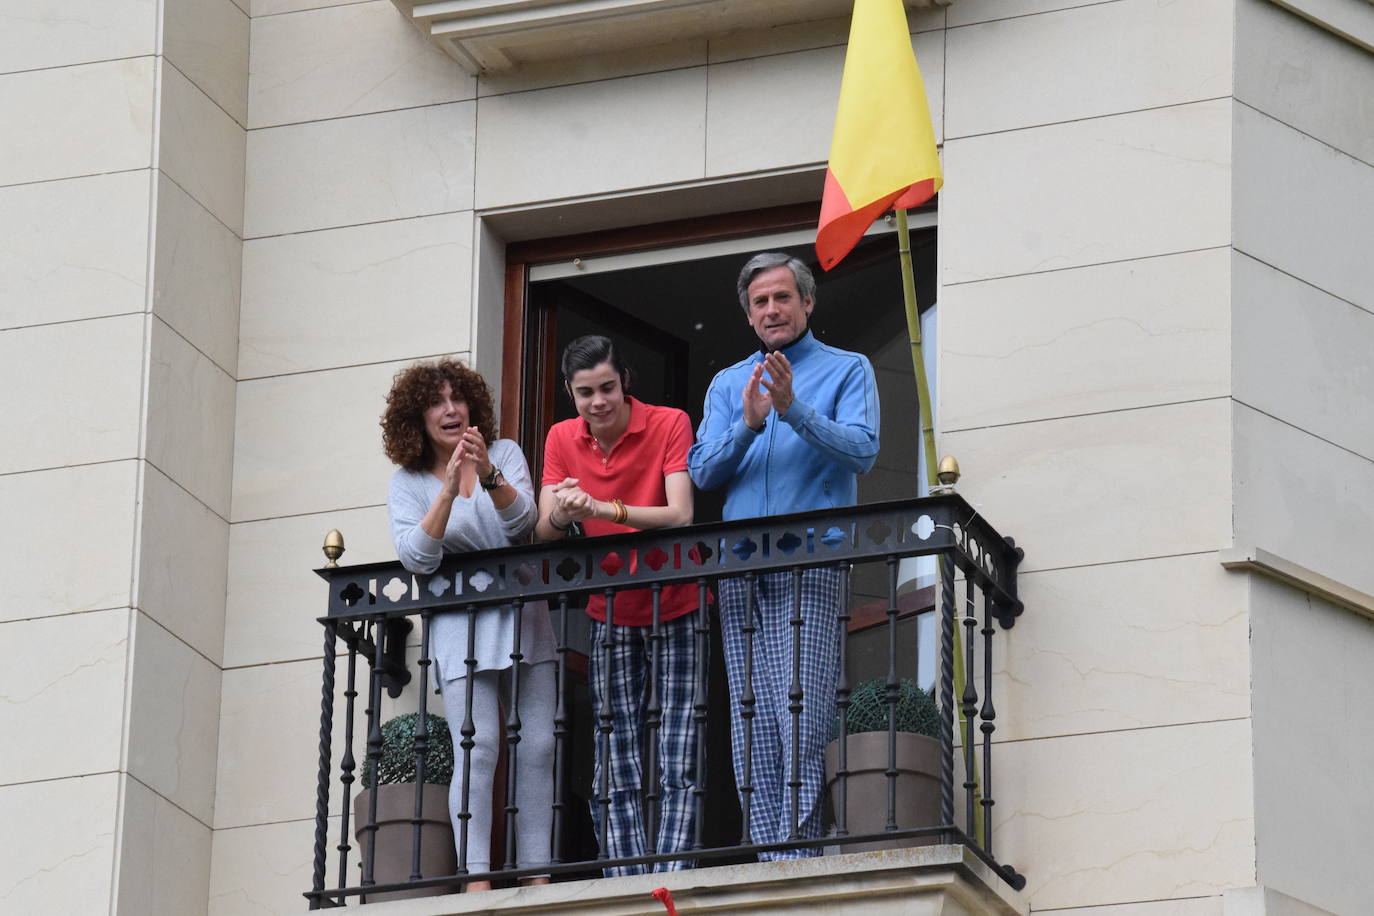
point(398, 752)
point(916, 709)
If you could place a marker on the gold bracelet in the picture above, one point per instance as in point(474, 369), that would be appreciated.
point(621, 513)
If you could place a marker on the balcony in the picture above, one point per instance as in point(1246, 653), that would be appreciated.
point(499, 35)
point(375, 610)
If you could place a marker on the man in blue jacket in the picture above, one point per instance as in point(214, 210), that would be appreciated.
point(786, 429)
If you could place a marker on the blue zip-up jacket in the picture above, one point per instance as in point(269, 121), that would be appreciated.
point(809, 458)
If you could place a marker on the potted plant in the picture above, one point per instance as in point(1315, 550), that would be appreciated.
point(918, 763)
point(395, 787)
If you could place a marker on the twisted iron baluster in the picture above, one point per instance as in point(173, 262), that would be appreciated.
point(747, 701)
point(467, 731)
point(946, 690)
point(513, 741)
point(421, 748)
point(969, 707)
point(653, 723)
point(322, 782)
point(796, 705)
point(348, 764)
point(987, 726)
point(891, 694)
point(702, 632)
point(604, 729)
point(842, 709)
point(560, 732)
point(374, 749)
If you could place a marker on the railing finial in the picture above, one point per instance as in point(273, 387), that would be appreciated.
point(333, 547)
point(948, 475)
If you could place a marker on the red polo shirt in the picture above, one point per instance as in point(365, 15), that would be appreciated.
point(654, 445)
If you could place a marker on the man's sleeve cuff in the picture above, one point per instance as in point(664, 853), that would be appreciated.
point(743, 435)
point(798, 413)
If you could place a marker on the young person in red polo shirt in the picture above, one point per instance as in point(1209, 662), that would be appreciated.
point(621, 465)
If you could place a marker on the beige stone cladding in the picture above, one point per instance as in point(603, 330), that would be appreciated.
point(71, 358)
point(121, 190)
point(358, 259)
point(1303, 486)
point(1085, 325)
point(1312, 702)
point(1304, 386)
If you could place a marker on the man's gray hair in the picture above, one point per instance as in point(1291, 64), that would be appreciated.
point(806, 283)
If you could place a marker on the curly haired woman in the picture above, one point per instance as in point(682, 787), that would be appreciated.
point(458, 488)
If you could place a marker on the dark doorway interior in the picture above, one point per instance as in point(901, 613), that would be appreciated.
point(680, 323)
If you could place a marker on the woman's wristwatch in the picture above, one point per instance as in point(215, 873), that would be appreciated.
point(493, 480)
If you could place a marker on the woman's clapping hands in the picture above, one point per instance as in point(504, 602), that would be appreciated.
point(471, 452)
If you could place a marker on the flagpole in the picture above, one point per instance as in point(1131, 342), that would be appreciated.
point(913, 330)
point(918, 364)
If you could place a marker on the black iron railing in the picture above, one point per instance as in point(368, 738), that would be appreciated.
point(370, 611)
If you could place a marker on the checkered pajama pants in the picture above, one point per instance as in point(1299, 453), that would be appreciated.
point(628, 696)
point(770, 810)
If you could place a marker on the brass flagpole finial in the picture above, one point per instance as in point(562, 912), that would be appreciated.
point(333, 547)
point(948, 475)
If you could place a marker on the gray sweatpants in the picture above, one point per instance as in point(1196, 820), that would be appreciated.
point(534, 762)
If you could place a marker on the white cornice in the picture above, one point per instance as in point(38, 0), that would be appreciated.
point(498, 35)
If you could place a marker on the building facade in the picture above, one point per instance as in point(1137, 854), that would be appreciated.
point(225, 224)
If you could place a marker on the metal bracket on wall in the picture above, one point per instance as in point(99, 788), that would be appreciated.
point(394, 673)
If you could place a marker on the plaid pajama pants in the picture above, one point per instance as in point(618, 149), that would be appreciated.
point(626, 692)
point(770, 811)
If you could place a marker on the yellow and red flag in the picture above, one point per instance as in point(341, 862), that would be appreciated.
point(882, 155)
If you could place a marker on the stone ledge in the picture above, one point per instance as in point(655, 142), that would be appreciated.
point(499, 35)
point(1255, 559)
point(922, 881)
point(1264, 901)
point(1353, 20)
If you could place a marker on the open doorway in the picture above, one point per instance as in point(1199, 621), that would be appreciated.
point(675, 315)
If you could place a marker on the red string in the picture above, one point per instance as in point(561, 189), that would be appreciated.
point(665, 897)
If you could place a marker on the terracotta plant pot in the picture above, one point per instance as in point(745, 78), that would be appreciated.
point(918, 787)
point(395, 806)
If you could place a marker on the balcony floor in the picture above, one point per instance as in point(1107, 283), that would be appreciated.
point(921, 881)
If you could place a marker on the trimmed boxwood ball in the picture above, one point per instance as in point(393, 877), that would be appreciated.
point(398, 752)
point(916, 709)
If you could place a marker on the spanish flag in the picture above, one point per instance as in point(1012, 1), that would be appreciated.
point(882, 155)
